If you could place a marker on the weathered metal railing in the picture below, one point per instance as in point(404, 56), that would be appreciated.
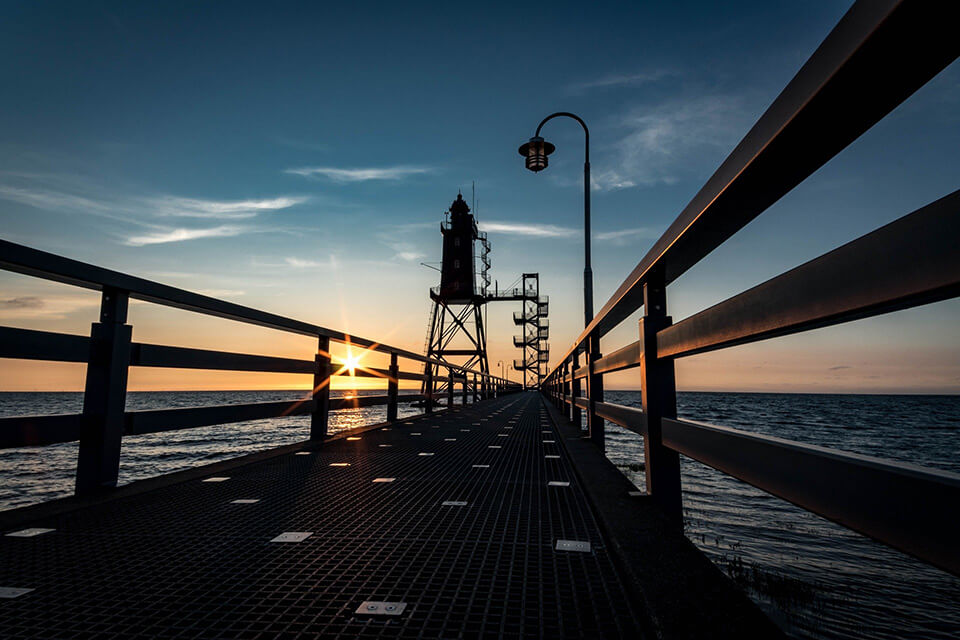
point(876, 57)
point(109, 352)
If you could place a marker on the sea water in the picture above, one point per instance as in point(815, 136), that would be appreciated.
point(814, 578)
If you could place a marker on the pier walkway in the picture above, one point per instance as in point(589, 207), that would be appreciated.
point(456, 515)
point(497, 519)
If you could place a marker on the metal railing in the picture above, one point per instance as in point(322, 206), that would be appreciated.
point(109, 352)
point(877, 56)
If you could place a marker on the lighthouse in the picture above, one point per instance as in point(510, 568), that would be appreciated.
point(456, 332)
point(457, 275)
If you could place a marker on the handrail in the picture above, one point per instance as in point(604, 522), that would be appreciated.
point(860, 72)
point(876, 57)
point(109, 352)
point(41, 264)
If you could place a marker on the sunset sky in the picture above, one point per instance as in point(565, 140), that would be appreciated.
point(297, 157)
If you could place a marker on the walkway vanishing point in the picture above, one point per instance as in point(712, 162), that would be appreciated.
point(497, 518)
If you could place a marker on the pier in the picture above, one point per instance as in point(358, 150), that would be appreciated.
point(476, 522)
point(494, 513)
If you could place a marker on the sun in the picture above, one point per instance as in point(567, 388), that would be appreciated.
point(351, 362)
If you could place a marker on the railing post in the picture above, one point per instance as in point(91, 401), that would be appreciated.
point(428, 389)
point(104, 396)
point(574, 407)
point(476, 390)
point(595, 425)
point(450, 389)
point(658, 383)
point(393, 388)
point(463, 390)
point(321, 391)
point(566, 387)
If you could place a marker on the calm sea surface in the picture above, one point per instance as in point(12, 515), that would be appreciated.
point(816, 579)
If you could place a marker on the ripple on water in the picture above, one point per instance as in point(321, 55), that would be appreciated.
point(815, 578)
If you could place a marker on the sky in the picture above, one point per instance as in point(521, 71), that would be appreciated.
point(298, 157)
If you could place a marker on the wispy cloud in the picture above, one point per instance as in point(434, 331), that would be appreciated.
point(302, 263)
point(660, 143)
point(149, 217)
point(360, 174)
point(616, 80)
point(531, 229)
point(22, 302)
point(407, 240)
point(134, 208)
point(618, 237)
point(52, 200)
point(181, 235)
point(21, 307)
point(200, 208)
point(623, 236)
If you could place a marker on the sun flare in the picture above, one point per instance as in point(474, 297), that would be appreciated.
point(351, 362)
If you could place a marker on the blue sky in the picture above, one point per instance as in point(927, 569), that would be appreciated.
point(297, 157)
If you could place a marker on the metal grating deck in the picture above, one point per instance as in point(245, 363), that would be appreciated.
point(185, 561)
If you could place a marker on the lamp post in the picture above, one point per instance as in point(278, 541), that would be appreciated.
point(500, 363)
point(536, 151)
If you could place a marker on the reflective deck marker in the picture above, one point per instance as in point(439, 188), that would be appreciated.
point(293, 536)
point(481, 466)
point(417, 433)
point(549, 441)
point(454, 503)
point(216, 479)
point(502, 435)
point(449, 439)
point(558, 483)
point(339, 464)
point(634, 494)
point(552, 457)
point(13, 592)
point(379, 608)
point(384, 479)
point(423, 453)
point(572, 545)
point(384, 445)
point(353, 438)
point(245, 501)
point(494, 446)
point(29, 533)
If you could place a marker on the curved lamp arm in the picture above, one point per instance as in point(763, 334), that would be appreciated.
point(574, 116)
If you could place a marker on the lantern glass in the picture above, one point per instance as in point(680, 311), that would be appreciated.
point(535, 151)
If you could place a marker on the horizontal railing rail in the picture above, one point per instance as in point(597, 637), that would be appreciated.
point(876, 57)
point(109, 352)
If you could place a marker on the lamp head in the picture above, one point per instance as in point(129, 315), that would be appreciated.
point(536, 151)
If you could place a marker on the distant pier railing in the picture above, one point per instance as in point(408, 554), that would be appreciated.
point(109, 351)
point(877, 56)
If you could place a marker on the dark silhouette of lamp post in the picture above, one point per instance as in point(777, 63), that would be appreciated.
point(536, 151)
point(505, 377)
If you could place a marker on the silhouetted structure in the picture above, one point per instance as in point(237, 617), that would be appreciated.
point(456, 329)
